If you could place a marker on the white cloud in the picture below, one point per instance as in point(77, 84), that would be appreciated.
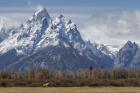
point(114, 28)
point(100, 35)
point(39, 7)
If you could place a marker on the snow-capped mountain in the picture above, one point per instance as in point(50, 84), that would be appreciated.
point(128, 56)
point(53, 43)
point(56, 43)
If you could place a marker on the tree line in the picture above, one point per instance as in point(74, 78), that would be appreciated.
point(91, 77)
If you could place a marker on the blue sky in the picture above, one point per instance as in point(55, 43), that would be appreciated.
point(80, 3)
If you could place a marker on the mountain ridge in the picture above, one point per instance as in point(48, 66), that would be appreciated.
point(56, 43)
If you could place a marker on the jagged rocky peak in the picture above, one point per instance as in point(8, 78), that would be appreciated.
point(126, 55)
point(61, 19)
point(130, 44)
point(38, 33)
point(40, 20)
point(61, 16)
point(40, 15)
point(66, 26)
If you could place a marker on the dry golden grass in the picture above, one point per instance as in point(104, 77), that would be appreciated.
point(72, 90)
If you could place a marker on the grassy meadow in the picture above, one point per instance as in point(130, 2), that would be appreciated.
point(71, 90)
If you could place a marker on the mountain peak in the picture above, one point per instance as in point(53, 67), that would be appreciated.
point(40, 10)
point(60, 16)
point(130, 44)
point(41, 14)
